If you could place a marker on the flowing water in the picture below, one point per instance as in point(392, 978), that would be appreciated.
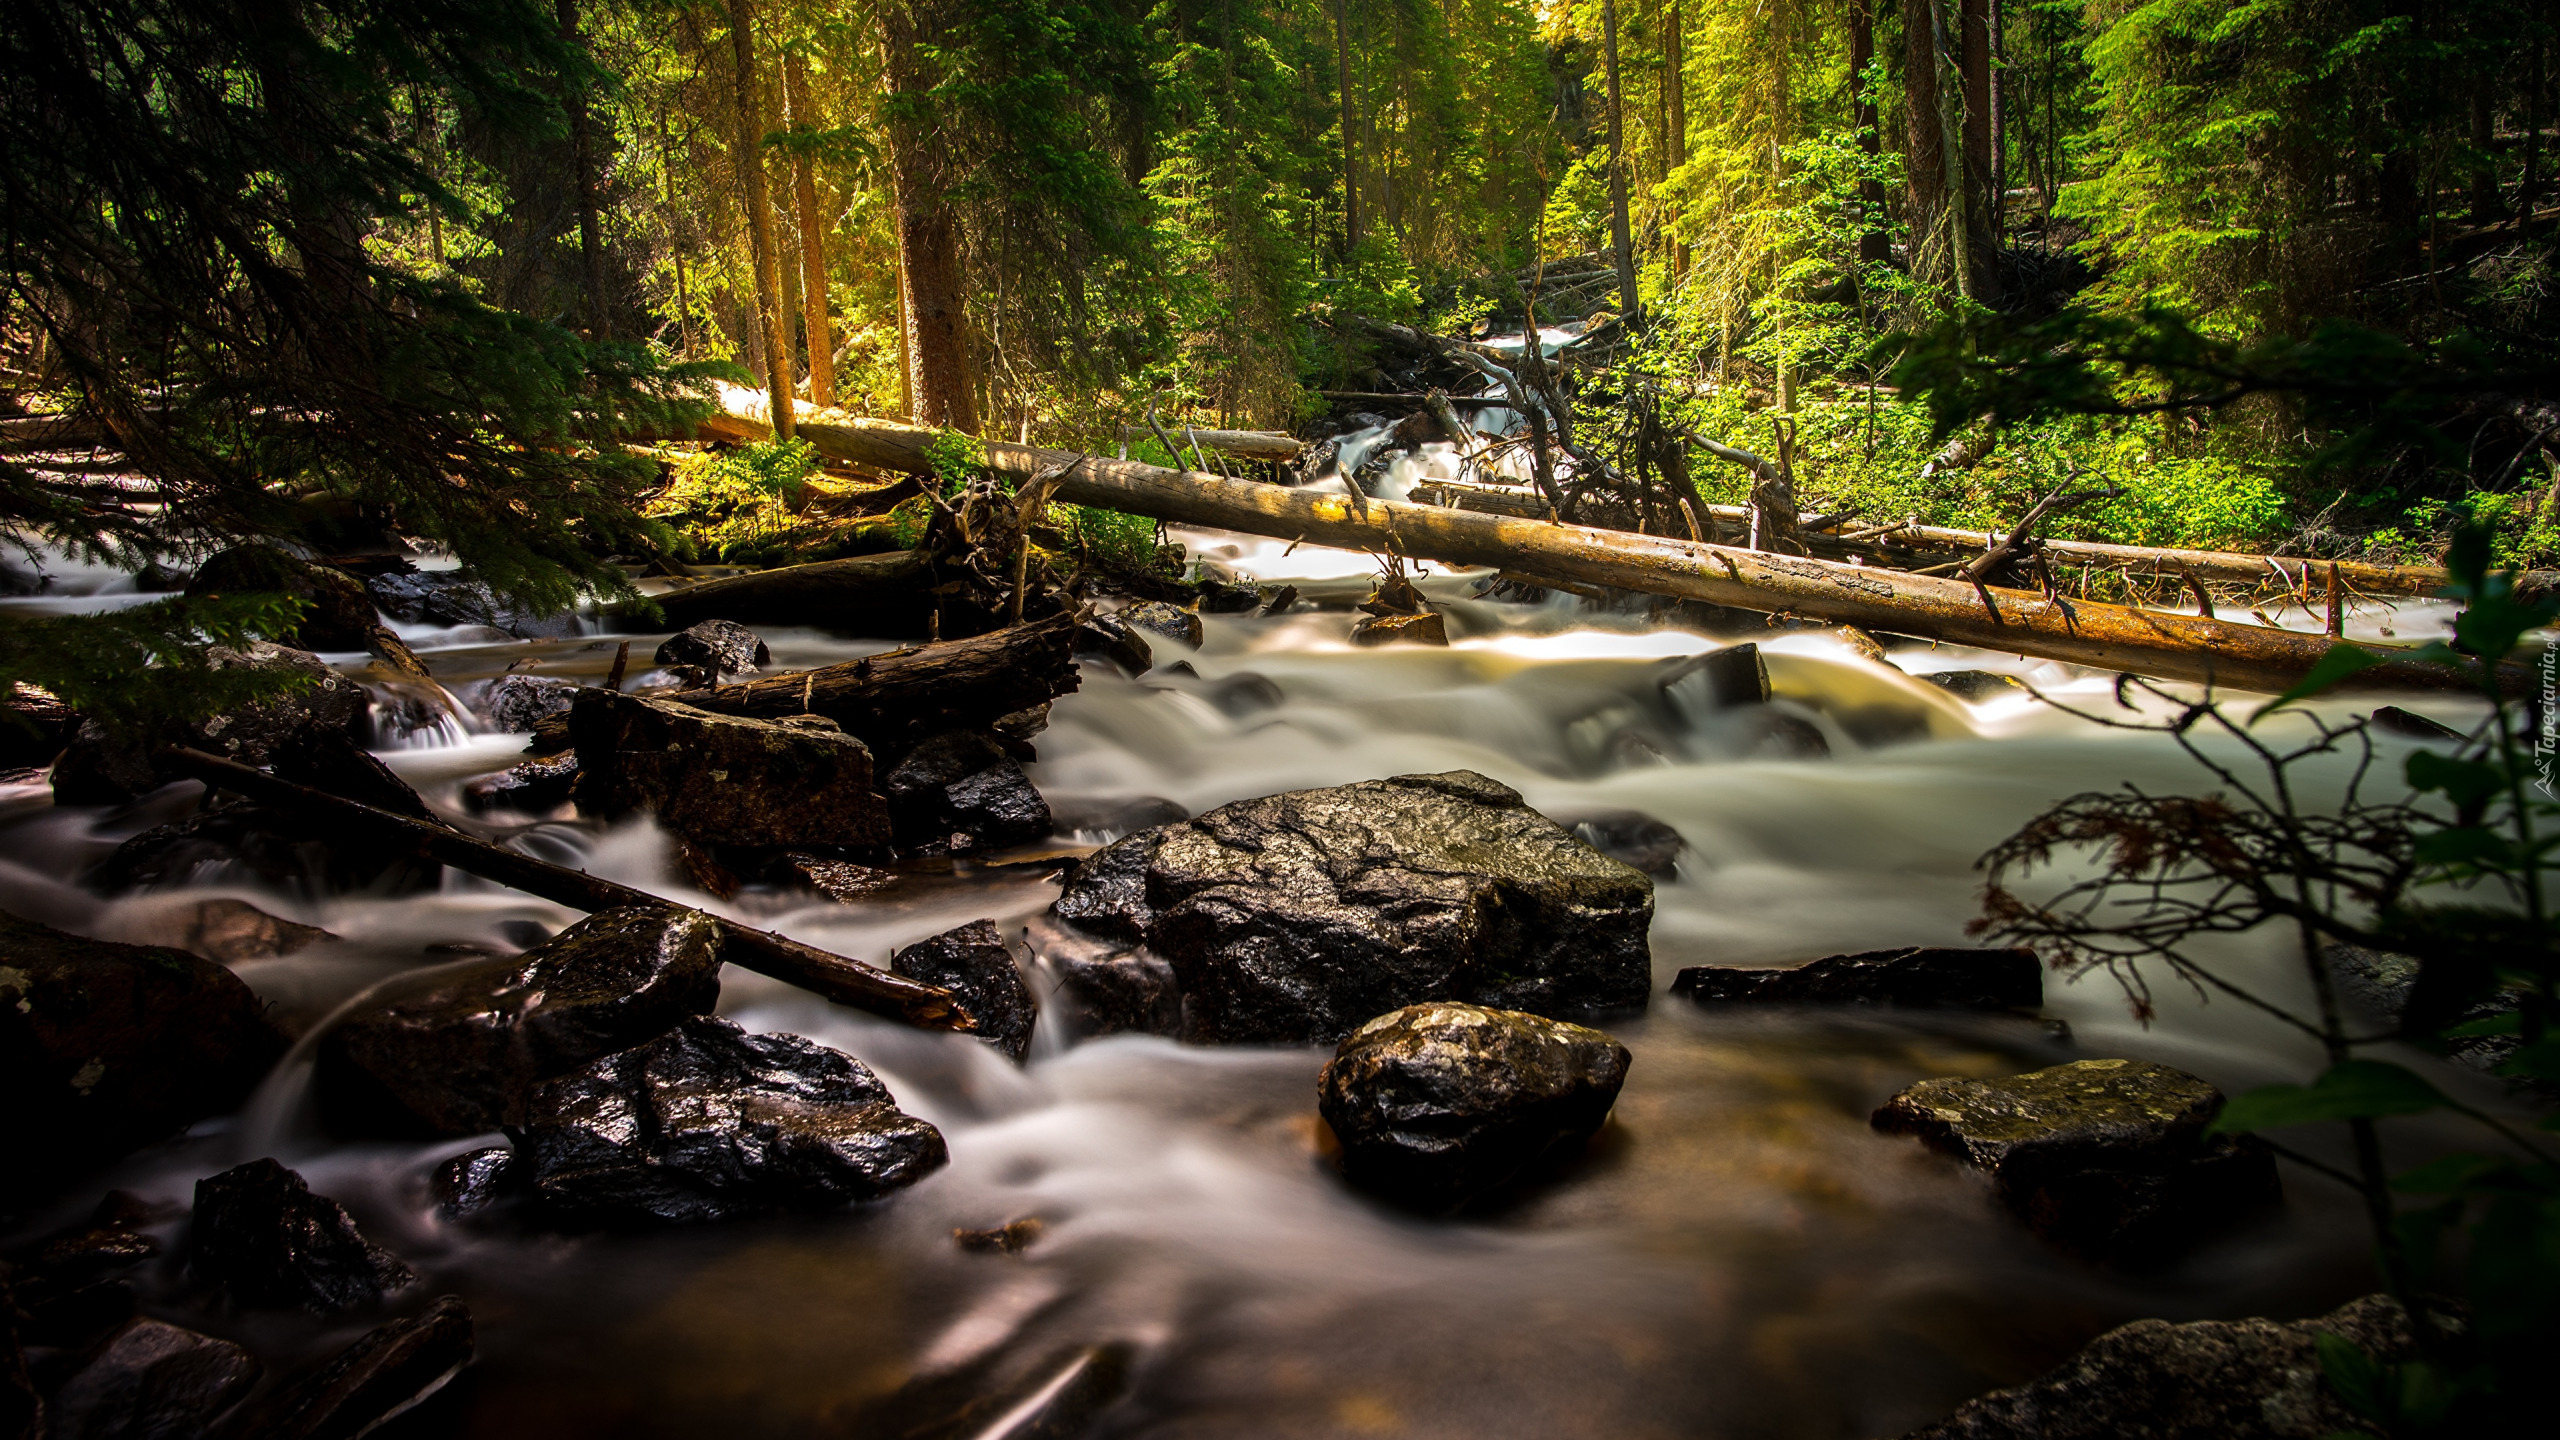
point(1739, 1254)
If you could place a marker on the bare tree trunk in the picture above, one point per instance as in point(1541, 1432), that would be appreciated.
point(1675, 84)
point(937, 317)
point(1629, 303)
point(813, 244)
point(583, 157)
point(2529, 195)
point(1981, 155)
point(676, 236)
point(1350, 145)
point(769, 323)
point(1947, 147)
point(1875, 247)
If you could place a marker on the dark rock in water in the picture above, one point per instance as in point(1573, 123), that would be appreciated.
point(1295, 917)
point(230, 931)
point(458, 1058)
point(261, 1235)
point(1221, 597)
point(1244, 693)
point(1424, 629)
point(722, 779)
point(1724, 679)
point(710, 1123)
point(1171, 622)
point(1011, 1238)
point(715, 649)
point(2208, 1380)
point(517, 703)
point(974, 965)
point(34, 727)
point(1110, 638)
point(471, 1182)
point(1437, 1104)
point(1128, 994)
point(104, 1047)
point(1281, 600)
point(65, 1295)
point(2105, 1158)
point(456, 597)
point(390, 1369)
point(331, 760)
point(1111, 818)
point(1974, 686)
point(1917, 976)
point(1631, 839)
point(840, 880)
point(153, 1380)
point(2394, 990)
point(1776, 735)
point(531, 787)
point(2408, 724)
point(339, 614)
point(961, 791)
point(100, 769)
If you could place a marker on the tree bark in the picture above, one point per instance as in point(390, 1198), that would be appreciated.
point(769, 322)
point(1629, 303)
point(796, 116)
point(1875, 247)
point(1947, 150)
point(1350, 142)
point(1675, 82)
point(583, 157)
point(937, 338)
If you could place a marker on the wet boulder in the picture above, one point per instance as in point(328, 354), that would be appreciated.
point(34, 726)
point(458, 1057)
point(1111, 817)
point(389, 1369)
point(2207, 1380)
point(529, 787)
point(1109, 638)
point(229, 931)
point(2106, 1158)
point(104, 1047)
point(1915, 976)
point(472, 1181)
point(962, 791)
point(1440, 1103)
point(516, 703)
point(1426, 628)
point(708, 1122)
point(1169, 622)
point(1293, 918)
point(150, 1379)
point(338, 613)
point(457, 597)
point(1633, 838)
point(268, 1242)
point(108, 768)
point(973, 964)
point(712, 651)
point(724, 779)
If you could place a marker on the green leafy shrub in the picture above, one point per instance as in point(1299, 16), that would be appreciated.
point(739, 505)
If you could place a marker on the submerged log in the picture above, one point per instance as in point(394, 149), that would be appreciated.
point(2171, 646)
point(835, 977)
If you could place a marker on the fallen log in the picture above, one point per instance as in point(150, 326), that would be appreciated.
point(835, 977)
point(2172, 646)
point(1243, 444)
point(883, 595)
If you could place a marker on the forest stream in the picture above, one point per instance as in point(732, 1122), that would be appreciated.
point(1737, 1254)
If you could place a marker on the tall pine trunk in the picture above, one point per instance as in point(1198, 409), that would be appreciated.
point(1350, 142)
point(582, 155)
point(1875, 247)
point(937, 316)
point(1947, 155)
point(1675, 84)
point(1629, 303)
point(760, 241)
point(813, 243)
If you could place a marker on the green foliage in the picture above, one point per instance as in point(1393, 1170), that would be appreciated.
point(737, 505)
point(133, 669)
point(956, 459)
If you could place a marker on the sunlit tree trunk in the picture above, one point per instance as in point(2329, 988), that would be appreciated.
point(937, 318)
point(759, 207)
point(813, 244)
point(1947, 150)
point(1875, 247)
point(1631, 305)
point(1675, 85)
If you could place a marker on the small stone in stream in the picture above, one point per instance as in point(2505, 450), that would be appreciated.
point(1111, 818)
point(973, 964)
point(1440, 1103)
point(1730, 678)
point(104, 1047)
point(1015, 729)
point(338, 614)
point(708, 1122)
point(1295, 917)
point(532, 787)
point(470, 1182)
point(102, 769)
point(1424, 629)
point(150, 1379)
point(960, 791)
point(1281, 600)
point(1220, 597)
point(231, 931)
point(1244, 693)
point(514, 704)
point(1172, 622)
point(386, 1372)
point(1632, 838)
point(1974, 686)
point(1777, 735)
point(2105, 1158)
point(1954, 977)
point(459, 1056)
point(1108, 637)
point(1011, 1238)
point(715, 648)
point(723, 779)
point(2207, 1380)
point(1129, 994)
point(268, 1242)
point(709, 873)
point(2411, 725)
point(840, 880)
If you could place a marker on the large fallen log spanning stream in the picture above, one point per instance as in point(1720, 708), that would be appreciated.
point(2168, 645)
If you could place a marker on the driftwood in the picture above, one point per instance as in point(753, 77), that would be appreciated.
point(2173, 646)
point(842, 980)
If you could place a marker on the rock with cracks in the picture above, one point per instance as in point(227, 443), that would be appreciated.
point(150, 1379)
point(724, 779)
point(1296, 917)
point(2106, 1158)
point(1437, 1104)
point(458, 1057)
point(710, 1123)
point(713, 651)
point(1917, 976)
point(100, 768)
point(268, 1242)
point(960, 792)
point(382, 1374)
point(974, 965)
point(517, 703)
point(2210, 1380)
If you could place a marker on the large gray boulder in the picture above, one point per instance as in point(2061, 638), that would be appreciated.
point(708, 1122)
point(458, 1057)
point(103, 767)
point(1437, 1104)
point(2106, 1158)
point(724, 779)
point(1296, 917)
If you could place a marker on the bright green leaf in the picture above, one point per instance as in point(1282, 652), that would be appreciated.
point(2342, 661)
point(2351, 1090)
